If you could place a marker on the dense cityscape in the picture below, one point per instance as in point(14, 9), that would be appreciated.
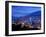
point(32, 21)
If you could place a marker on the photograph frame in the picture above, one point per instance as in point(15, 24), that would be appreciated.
point(7, 17)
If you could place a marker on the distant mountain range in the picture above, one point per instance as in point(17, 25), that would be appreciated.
point(38, 13)
point(34, 15)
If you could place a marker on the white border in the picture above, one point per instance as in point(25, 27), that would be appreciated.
point(29, 31)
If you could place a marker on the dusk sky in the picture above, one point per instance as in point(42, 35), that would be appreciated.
point(19, 11)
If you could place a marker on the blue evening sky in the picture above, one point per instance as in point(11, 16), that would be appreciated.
point(19, 11)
